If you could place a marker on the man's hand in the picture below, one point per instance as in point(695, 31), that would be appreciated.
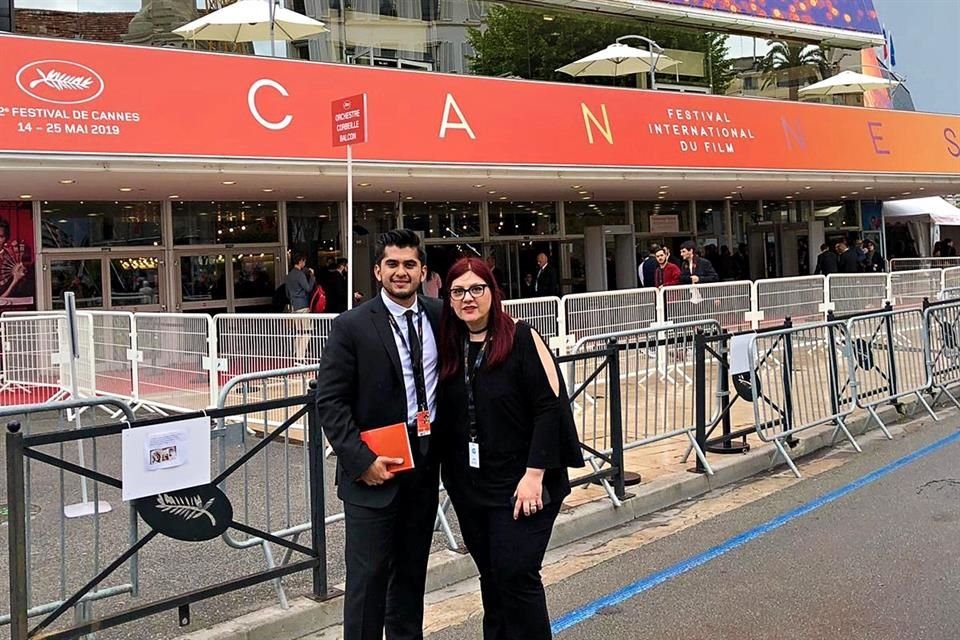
point(376, 474)
point(694, 279)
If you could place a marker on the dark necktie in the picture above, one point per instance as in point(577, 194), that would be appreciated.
point(416, 361)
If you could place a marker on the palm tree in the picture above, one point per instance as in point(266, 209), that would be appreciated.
point(785, 57)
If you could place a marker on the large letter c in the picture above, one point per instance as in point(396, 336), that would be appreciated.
point(252, 104)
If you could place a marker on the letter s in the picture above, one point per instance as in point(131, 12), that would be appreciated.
point(953, 144)
point(252, 104)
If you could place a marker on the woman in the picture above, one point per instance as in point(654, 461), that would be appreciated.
point(509, 441)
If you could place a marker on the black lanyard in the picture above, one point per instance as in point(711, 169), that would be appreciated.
point(469, 376)
point(414, 363)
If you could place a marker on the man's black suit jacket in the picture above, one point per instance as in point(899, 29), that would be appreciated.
point(360, 387)
point(547, 282)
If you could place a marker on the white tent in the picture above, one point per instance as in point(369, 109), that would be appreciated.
point(924, 216)
point(935, 210)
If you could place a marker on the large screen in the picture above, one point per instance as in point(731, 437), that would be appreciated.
point(851, 15)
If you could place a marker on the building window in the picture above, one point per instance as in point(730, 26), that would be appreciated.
point(443, 219)
point(135, 281)
point(254, 275)
point(523, 219)
point(838, 214)
point(203, 278)
point(71, 225)
point(580, 214)
point(710, 221)
point(225, 222)
point(374, 217)
point(313, 229)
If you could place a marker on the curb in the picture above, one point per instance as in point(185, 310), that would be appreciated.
point(305, 616)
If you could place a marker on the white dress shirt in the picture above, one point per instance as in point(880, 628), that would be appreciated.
point(431, 373)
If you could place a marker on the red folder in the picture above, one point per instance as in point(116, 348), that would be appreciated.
point(392, 441)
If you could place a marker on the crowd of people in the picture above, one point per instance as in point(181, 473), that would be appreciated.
point(862, 257)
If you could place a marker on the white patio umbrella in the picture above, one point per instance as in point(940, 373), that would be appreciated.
point(848, 82)
point(251, 21)
point(618, 60)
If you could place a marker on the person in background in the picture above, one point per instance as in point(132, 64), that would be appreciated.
point(527, 289)
point(510, 437)
point(492, 264)
point(380, 368)
point(336, 287)
point(847, 260)
point(695, 270)
point(546, 282)
point(725, 268)
point(300, 284)
point(875, 261)
point(666, 274)
point(671, 257)
point(432, 284)
point(937, 249)
point(649, 266)
point(947, 249)
point(741, 261)
point(826, 262)
point(861, 254)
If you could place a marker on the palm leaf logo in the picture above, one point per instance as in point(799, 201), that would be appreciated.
point(185, 507)
point(62, 81)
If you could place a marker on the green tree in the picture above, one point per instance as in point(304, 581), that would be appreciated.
point(531, 43)
point(798, 62)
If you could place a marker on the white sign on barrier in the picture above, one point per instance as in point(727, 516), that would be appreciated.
point(165, 457)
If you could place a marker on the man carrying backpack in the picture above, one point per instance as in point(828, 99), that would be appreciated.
point(300, 285)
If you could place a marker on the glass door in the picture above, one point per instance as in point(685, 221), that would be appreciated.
point(227, 280)
point(515, 265)
point(136, 281)
point(122, 281)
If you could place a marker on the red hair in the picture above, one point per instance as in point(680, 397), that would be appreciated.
point(500, 326)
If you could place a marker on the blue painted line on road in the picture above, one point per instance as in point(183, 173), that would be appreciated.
point(587, 611)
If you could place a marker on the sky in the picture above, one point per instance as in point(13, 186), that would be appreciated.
point(926, 34)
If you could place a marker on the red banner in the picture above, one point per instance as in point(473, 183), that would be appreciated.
point(17, 282)
point(66, 96)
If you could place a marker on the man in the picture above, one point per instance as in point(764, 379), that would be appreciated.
point(826, 262)
point(546, 282)
point(336, 287)
point(492, 263)
point(671, 257)
point(695, 270)
point(649, 266)
point(875, 261)
point(666, 274)
point(379, 368)
point(848, 262)
point(300, 284)
point(949, 251)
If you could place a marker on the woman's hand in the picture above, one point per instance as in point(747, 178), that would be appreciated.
point(529, 493)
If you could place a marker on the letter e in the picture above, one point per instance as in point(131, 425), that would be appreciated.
point(875, 137)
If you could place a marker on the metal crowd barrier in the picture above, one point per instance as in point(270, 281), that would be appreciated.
point(910, 264)
point(40, 535)
point(910, 288)
point(42, 449)
point(854, 293)
point(591, 314)
point(544, 314)
point(729, 303)
point(942, 331)
point(887, 358)
point(657, 387)
point(803, 299)
point(796, 389)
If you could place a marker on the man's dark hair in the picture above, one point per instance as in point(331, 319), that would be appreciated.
point(654, 247)
point(402, 239)
point(297, 257)
point(690, 245)
point(341, 262)
point(824, 246)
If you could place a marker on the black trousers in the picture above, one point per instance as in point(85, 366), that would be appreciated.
point(386, 557)
point(509, 554)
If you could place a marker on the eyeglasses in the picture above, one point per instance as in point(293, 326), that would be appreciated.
point(475, 291)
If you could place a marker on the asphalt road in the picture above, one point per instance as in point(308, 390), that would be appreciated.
point(881, 562)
